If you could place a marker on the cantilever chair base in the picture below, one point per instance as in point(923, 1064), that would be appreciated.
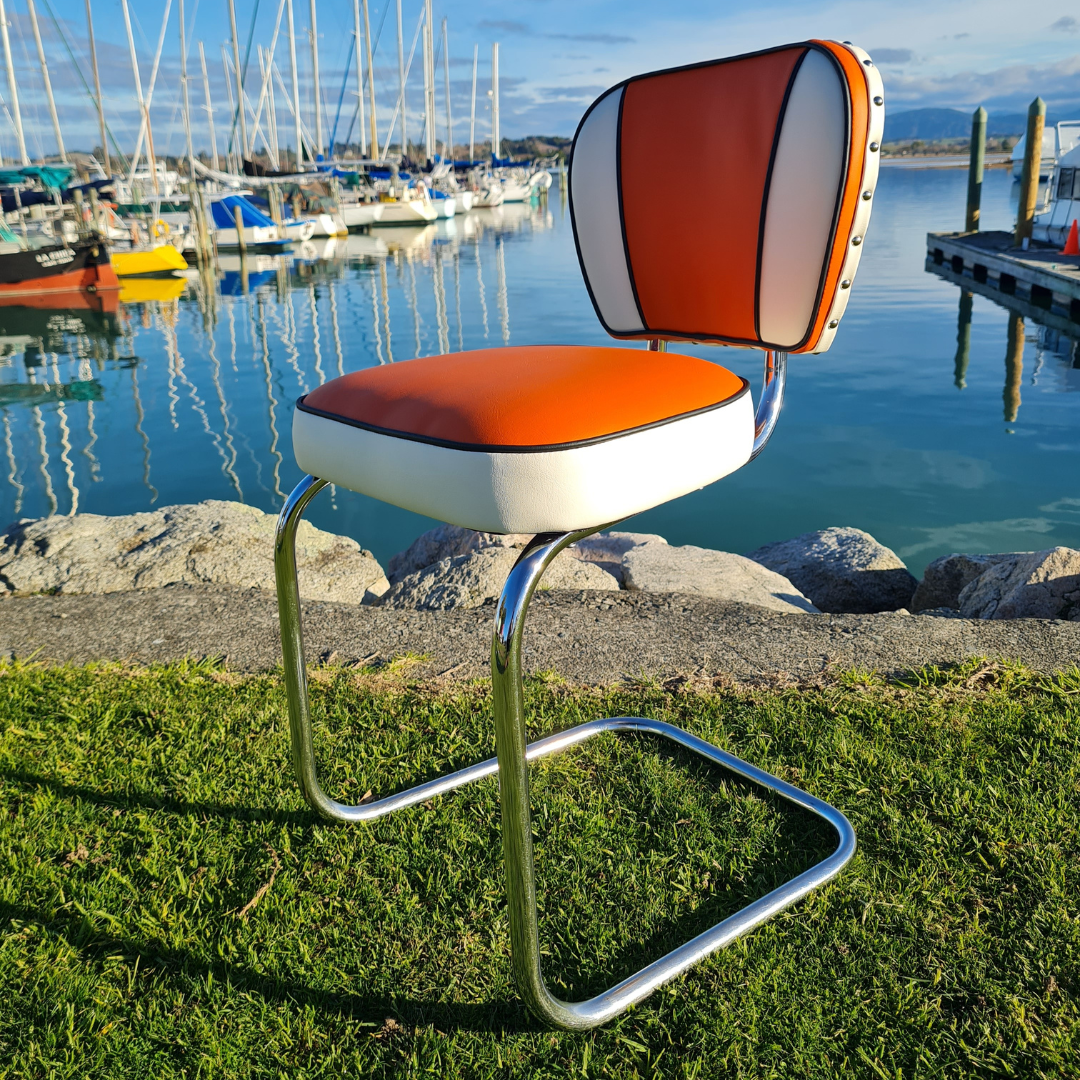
point(511, 765)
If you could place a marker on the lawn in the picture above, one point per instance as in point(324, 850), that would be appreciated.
point(169, 906)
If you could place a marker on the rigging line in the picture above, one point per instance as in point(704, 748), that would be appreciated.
point(243, 76)
point(78, 71)
point(370, 75)
point(341, 96)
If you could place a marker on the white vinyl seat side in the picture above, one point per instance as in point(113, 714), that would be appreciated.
point(545, 491)
point(594, 195)
point(802, 200)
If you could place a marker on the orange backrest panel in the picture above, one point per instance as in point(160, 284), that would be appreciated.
point(726, 115)
point(526, 395)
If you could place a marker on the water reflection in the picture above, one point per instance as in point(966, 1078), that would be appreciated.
point(1054, 333)
point(186, 390)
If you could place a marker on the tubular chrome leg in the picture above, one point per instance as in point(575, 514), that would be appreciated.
point(514, 754)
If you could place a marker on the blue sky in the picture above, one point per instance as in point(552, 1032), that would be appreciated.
point(555, 55)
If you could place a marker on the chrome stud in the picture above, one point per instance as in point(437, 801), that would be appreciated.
point(879, 100)
point(856, 241)
point(846, 283)
point(834, 323)
point(867, 195)
point(874, 147)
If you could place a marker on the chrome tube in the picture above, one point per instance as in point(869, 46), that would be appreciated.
point(771, 401)
point(513, 755)
point(511, 765)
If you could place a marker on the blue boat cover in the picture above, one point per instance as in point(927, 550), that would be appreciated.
point(225, 214)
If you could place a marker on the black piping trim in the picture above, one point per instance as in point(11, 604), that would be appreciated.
point(483, 448)
point(767, 187)
point(706, 337)
point(622, 216)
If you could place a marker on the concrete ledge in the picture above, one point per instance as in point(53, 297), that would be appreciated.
point(587, 637)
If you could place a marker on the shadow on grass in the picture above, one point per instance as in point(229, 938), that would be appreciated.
point(804, 841)
point(124, 801)
point(572, 971)
point(78, 932)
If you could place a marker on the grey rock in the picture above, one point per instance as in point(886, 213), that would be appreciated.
point(945, 579)
point(211, 543)
point(842, 570)
point(470, 580)
point(718, 574)
point(608, 549)
point(445, 542)
point(1036, 585)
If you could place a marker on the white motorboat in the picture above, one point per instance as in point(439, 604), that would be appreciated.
point(1052, 226)
point(1057, 142)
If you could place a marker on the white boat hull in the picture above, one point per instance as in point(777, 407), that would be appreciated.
point(407, 212)
point(358, 215)
point(299, 230)
point(254, 235)
point(445, 208)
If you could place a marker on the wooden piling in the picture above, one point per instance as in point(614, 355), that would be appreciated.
point(963, 340)
point(238, 217)
point(1014, 367)
point(975, 169)
point(1029, 178)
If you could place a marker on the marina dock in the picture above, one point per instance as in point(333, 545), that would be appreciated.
point(991, 264)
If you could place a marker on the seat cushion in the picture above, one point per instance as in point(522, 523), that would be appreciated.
point(528, 439)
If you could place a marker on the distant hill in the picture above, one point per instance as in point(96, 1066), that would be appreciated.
point(953, 124)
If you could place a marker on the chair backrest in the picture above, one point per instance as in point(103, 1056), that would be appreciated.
point(727, 201)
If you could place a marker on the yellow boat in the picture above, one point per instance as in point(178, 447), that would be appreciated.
point(159, 260)
point(140, 290)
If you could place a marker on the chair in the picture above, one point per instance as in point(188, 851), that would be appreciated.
point(561, 441)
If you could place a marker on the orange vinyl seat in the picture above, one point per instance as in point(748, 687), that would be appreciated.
point(528, 439)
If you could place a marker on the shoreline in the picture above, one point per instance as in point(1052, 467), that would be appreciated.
point(587, 638)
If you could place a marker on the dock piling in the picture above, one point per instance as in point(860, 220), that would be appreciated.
point(238, 217)
point(975, 169)
point(1029, 178)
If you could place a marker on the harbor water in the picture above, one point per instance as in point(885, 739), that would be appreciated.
point(187, 392)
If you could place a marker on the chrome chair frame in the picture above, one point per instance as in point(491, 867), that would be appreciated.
point(513, 754)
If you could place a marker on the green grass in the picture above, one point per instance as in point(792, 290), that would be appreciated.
point(169, 907)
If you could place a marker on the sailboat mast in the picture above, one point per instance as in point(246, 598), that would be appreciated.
point(45, 77)
point(244, 150)
point(446, 77)
point(209, 109)
point(401, 83)
point(429, 104)
point(97, 90)
point(186, 104)
point(360, 82)
point(315, 79)
point(495, 140)
point(13, 90)
point(230, 155)
point(295, 91)
point(371, 82)
point(138, 93)
point(472, 111)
